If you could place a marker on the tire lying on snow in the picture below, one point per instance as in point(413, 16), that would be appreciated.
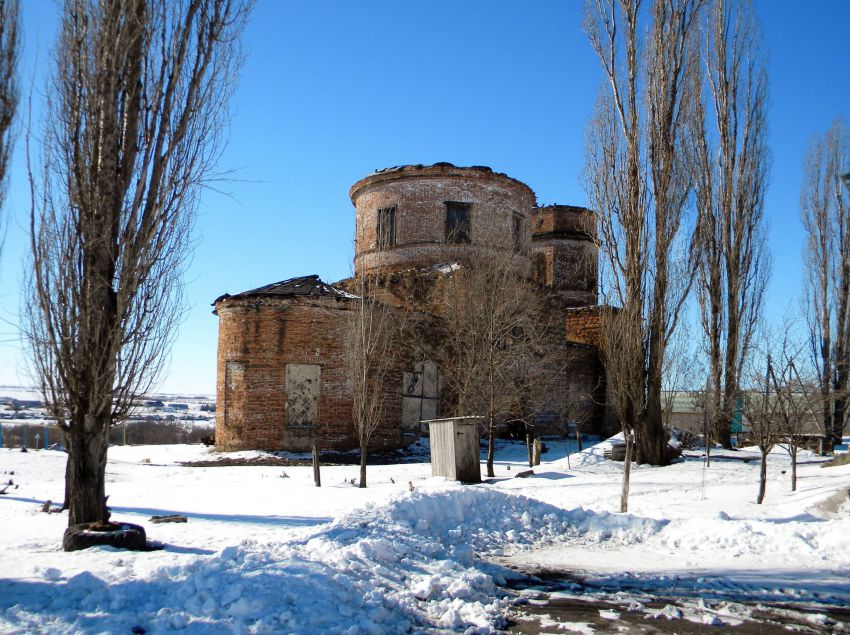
point(120, 535)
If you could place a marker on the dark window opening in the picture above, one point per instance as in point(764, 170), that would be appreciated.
point(457, 222)
point(519, 231)
point(386, 227)
point(538, 264)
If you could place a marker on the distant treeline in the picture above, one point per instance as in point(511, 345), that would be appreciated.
point(135, 433)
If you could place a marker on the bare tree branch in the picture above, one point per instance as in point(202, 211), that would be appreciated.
point(10, 43)
point(825, 210)
point(137, 111)
point(495, 351)
point(638, 178)
point(372, 337)
point(730, 172)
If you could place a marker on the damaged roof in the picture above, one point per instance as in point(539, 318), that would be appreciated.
point(439, 164)
point(312, 286)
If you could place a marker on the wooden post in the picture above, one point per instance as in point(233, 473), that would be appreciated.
point(538, 450)
point(705, 439)
point(627, 467)
point(317, 477)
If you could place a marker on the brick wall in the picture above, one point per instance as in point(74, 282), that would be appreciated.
point(582, 325)
point(564, 238)
point(419, 194)
point(258, 337)
point(563, 219)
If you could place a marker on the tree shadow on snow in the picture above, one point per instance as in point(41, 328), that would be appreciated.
point(287, 521)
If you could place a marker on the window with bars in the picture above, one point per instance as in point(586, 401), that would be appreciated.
point(386, 227)
point(457, 222)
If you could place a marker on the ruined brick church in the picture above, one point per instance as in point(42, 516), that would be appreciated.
point(281, 355)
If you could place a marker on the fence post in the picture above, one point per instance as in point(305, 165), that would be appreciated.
point(46, 434)
point(26, 442)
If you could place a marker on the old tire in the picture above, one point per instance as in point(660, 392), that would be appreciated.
point(120, 535)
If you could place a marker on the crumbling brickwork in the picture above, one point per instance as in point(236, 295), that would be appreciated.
point(582, 325)
point(564, 241)
point(419, 195)
point(259, 338)
point(281, 350)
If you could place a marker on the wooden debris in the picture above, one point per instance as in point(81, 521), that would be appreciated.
point(525, 474)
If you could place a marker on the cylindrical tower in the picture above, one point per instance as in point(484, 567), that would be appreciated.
point(565, 255)
point(414, 215)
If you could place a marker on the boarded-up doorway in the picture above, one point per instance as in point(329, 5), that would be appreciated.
point(303, 383)
point(234, 393)
point(420, 394)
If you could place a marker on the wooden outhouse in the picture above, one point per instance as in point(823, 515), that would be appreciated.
point(455, 452)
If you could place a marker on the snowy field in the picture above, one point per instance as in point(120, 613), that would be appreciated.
point(265, 551)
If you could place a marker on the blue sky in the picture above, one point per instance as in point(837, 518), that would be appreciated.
point(332, 90)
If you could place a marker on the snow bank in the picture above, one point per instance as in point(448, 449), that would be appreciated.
point(412, 564)
point(778, 541)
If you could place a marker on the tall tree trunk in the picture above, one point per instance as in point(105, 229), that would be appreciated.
point(653, 438)
point(839, 402)
point(825, 385)
point(714, 400)
point(842, 315)
point(66, 504)
point(363, 460)
point(491, 448)
point(86, 470)
point(730, 376)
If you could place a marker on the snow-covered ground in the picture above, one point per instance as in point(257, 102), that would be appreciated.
point(265, 551)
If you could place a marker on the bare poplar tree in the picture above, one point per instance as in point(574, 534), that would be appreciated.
point(10, 42)
point(137, 111)
point(637, 176)
point(731, 173)
point(494, 340)
point(372, 337)
point(825, 210)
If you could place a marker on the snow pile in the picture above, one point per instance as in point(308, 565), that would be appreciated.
point(487, 520)
point(817, 543)
point(410, 564)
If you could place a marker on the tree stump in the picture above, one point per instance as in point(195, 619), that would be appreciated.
point(120, 535)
